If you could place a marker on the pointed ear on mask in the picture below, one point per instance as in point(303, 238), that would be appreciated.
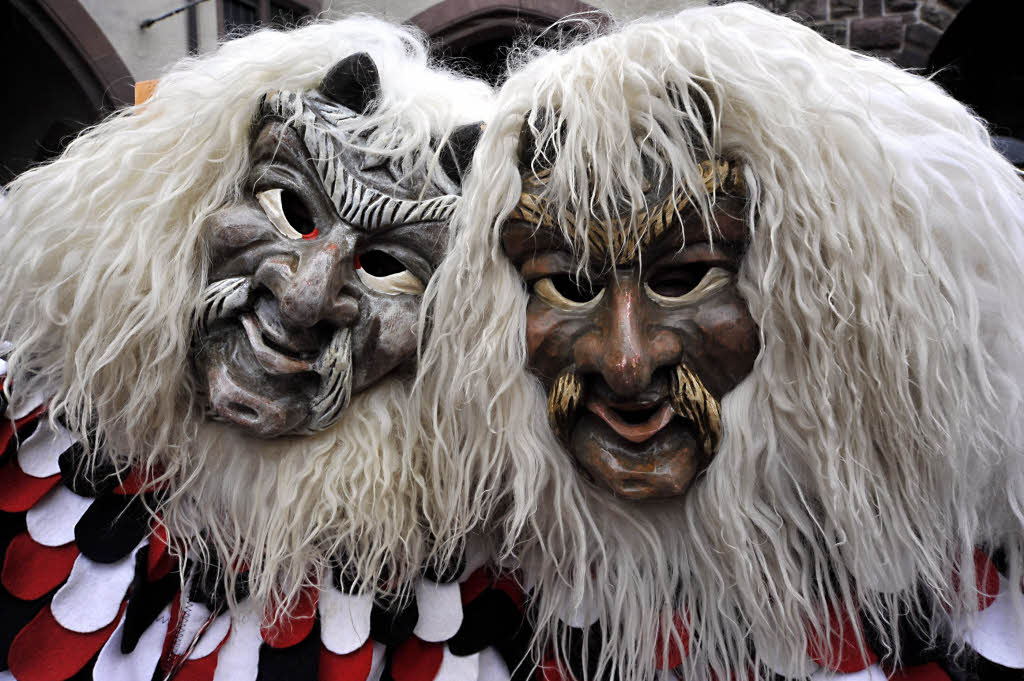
point(353, 82)
point(457, 153)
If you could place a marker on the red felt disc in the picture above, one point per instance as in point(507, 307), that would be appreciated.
point(46, 651)
point(354, 666)
point(158, 560)
point(673, 656)
point(511, 589)
point(923, 672)
point(295, 627)
point(20, 491)
point(198, 670)
point(131, 485)
point(201, 669)
point(474, 585)
point(552, 671)
point(6, 433)
point(987, 579)
point(31, 570)
point(840, 653)
point(135, 482)
point(416, 660)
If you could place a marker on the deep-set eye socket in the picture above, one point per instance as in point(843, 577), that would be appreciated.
point(386, 274)
point(686, 284)
point(567, 292)
point(288, 213)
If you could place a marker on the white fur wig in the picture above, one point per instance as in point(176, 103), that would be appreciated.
point(879, 436)
point(105, 265)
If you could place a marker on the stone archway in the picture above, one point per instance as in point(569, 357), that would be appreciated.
point(474, 35)
point(69, 30)
point(65, 75)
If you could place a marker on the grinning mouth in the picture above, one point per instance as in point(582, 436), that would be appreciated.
point(271, 355)
point(634, 421)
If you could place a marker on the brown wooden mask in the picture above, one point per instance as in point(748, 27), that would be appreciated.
point(637, 350)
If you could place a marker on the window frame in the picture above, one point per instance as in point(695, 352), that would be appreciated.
point(310, 7)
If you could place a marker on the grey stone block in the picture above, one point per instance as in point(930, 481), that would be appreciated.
point(876, 33)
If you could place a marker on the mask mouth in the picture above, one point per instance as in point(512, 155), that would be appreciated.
point(636, 422)
point(271, 356)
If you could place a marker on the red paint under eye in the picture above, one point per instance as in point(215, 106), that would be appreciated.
point(312, 235)
point(355, 261)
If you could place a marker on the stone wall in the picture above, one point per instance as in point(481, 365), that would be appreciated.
point(905, 31)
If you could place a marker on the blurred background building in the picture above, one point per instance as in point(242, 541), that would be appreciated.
point(70, 62)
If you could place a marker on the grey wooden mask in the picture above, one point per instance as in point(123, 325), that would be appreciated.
point(316, 275)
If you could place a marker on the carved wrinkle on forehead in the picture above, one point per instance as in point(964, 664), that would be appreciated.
point(357, 204)
point(625, 237)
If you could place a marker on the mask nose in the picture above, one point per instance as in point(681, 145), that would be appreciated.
point(310, 287)
point(620, 350)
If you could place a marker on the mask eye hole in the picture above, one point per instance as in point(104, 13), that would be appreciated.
point(380, 264)
point(288, 213)
point(386, 274)
point(577, 291)
point(678, 281)
point(567, 292)
point(687, 284)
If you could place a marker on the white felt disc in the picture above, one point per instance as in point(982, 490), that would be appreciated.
point(998, 631)
point(212, 637)
point(584, 613)
point(112, 665)
point(239, 658)
point(91, 598)
point(344, 619)
point(376, 662)
point(440, 610)
point(492, 666)
point(774, 660)
point(38, 455)
point(458, 667)
point(193, 617)
point(52, 521)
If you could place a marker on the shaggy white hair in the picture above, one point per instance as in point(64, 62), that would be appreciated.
point(878, 438)
point(104, 267)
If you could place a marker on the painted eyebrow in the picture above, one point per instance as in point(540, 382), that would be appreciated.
point(357, 203)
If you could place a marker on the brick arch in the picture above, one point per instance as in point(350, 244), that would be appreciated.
point(71, 32)
point(459, 23)
point(473, 36)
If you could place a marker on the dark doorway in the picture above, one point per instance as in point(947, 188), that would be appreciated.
point(477, 36)
point(979, 62)
point(63, 75)
point(44, 104)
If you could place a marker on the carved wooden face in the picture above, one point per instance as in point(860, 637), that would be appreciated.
point(636, 358)
point(316, 275)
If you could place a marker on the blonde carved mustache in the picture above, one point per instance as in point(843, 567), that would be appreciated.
point(688, 396)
